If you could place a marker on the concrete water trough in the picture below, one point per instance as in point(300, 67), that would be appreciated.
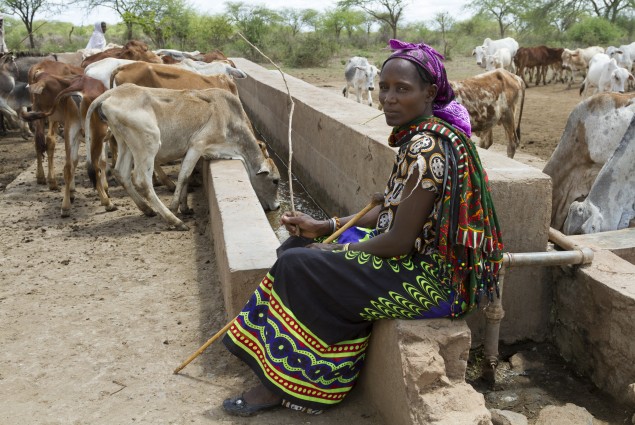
point(415, 371)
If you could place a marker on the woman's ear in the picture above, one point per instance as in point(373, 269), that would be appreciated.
point(432, 90)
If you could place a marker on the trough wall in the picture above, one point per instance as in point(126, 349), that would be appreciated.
point(341, 155)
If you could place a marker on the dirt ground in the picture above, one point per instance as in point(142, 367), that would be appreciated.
point(98, 309)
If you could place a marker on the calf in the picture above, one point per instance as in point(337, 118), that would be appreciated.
point(610, 204)
point(493, 98)
point(502, 58)
point(154, 125)
point(604, 75)
point(54, 101)
point(360, 75)
point(44, 101)
point(593, 132)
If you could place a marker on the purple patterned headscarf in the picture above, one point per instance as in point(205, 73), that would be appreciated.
point(444, 106)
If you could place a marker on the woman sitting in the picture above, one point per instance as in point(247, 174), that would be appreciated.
point(431, 250)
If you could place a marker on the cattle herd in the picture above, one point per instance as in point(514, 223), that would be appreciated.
point(593, 165)
point(125, 98)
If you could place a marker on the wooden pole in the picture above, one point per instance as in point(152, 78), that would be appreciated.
point(377, 199)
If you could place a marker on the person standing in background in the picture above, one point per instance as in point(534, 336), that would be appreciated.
point(97, 40)
point(3, 45)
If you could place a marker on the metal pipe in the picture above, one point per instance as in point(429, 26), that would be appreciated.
point(494, 312)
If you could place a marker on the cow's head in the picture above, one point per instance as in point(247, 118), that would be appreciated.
point(479, 52)
point(583, 218)
point(265, 184)
point(369, 72)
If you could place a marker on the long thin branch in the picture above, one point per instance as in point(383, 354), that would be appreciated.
point(290, 119)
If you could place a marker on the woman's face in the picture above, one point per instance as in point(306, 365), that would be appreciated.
point(403, 95)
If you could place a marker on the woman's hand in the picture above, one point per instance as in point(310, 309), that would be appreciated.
point(304, 225)
point(326, 246)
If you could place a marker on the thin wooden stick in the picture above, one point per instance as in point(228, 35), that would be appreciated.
point(377, 199)
point(292, 106)
point(204, 346)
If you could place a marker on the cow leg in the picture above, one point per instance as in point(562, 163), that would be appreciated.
point(508, 124)
point(98, 139)
point(142, 181)
point(123, 174)
point(40, 148)
point(180, 194)
point(163, 178)
point(370, 98)
point(71, 148)
point(358, 92)
point(51, 141)
point(486, 139)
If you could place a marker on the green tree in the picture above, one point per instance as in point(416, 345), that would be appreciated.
point(385, 11)
point(443, 22)
point(128, 10)
point(311, 18)
point(210, 32)
point(26, 11)
point(163, 20)
point(504, 11)
point(610, 9)
point(334, 21)
point(592, 30)
point(253, 22)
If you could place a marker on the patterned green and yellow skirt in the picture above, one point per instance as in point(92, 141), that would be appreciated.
point(305, 330)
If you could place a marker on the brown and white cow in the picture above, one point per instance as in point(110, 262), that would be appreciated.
point(493, 98)
point(577, 60)
point(44, 101)
point(133, 50)
point(53, 100)
point(211, 124)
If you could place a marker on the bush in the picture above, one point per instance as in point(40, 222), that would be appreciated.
point(592, 31)
point(311, 51)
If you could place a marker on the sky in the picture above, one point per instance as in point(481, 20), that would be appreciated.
point(417, 10)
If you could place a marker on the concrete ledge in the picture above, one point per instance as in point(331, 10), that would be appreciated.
point(415, 373)
point(244, 242)
point(619, 242)
point(593, 321)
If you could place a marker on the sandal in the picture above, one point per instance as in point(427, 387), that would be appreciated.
point(237, 406)
point(299, 408)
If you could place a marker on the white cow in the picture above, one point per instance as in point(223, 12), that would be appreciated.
point(502, 58)
point(489, 47)
point(621, 56)
point(178, 55)
point(102, 69)
point(577, 60)
point(360, 75)
point(479, 53)
point(594, 129)
point(605, 75)
point(212, 68)
point(155, 125)
point(611, 201)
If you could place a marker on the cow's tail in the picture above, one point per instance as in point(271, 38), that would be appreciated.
point(520, 114)
point(35, 115)
point(95, 148)
point(113, 75)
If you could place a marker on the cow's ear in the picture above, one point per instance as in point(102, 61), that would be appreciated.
point(236, 73)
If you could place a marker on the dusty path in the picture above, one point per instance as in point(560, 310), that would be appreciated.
point(98, 309)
